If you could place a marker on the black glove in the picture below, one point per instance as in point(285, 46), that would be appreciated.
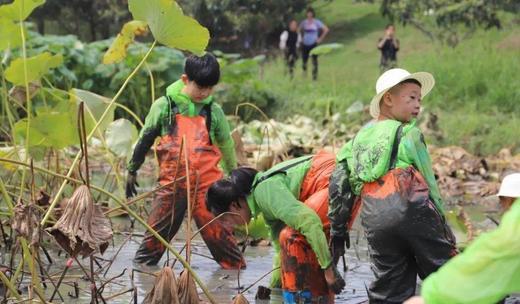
point(131, 182)
point(336, 283)
point(337, 246)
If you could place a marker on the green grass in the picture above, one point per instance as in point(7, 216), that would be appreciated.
point(477, 95)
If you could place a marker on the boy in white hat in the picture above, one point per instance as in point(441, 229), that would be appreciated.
point(489, 268)
point(389, 169)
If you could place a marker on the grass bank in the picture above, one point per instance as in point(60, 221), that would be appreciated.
point(477, 95)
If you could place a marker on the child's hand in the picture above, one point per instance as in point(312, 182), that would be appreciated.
point(334, 279)
point(337, 247)
point(131, 182)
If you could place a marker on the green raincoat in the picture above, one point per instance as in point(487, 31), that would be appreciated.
point(486, 272)
point(159, 119)
point(277, 199)
point(369, 159)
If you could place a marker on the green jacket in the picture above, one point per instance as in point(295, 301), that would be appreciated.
point(277, 199)
point(486, 272)
point(368, 155)
point(159, 120)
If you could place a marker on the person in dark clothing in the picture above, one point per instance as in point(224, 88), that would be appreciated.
point(290, 41)
point(310, 29)
point(389, 46)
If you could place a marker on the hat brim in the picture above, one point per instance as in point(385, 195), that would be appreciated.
point(424, 78)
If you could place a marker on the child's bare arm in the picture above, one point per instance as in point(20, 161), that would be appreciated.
point(381, 42)
point(324, 33)
point(395, 41)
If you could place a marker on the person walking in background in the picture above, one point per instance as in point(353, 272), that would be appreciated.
point(290, 41)
point(310, 29)
point(389, 46)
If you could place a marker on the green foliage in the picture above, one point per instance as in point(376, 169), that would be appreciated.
point(481, 132)
point(95, 106)
point(447, 20)
point(326, 48)
point(82, 68)
point(37, 66)
point(257, 229)
point(9, 34)
point(241, 84)
point(169, 25)
point(89, 20)
point(239, 71)
point(117, 50)
point(120, 136)
point(474, 81)
point(19, 10)
point(55, 123)
point(51, 129)
point(232, 21)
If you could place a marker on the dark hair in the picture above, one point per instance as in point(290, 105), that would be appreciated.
point(227, 190)
point(389, 25)
point(311, 10)
point(204, 70)
point(396, 88)
point(415, 81)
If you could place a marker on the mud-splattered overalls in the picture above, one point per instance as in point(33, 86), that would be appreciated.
point(302, 276)
point(169, 207)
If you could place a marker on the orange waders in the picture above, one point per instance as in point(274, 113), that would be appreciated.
point(301, 272)
point(169, 208)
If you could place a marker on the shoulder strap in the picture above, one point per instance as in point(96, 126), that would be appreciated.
point(206, 113)
point(395, 147)
point(173, 110)
point(282, 170)
point(173, 106)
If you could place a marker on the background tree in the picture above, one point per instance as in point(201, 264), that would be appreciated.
point(247, 24)
point(89, 20)
point(448, 21)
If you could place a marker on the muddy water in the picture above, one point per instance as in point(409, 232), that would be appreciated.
point(223, 284)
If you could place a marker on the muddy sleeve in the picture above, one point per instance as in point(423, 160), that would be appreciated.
point(223, 139)
point(276, 276)
point(345, 156)
point(415, 147)
point(486, 272)
point(341, 200)
point(150, 131)
point(277, 202)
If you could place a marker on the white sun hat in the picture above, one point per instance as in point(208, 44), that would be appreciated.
point(510, 186)
point(393, 77)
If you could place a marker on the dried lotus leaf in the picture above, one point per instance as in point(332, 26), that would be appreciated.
point(187, 289)
point(164, 290)
point(82, 228)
